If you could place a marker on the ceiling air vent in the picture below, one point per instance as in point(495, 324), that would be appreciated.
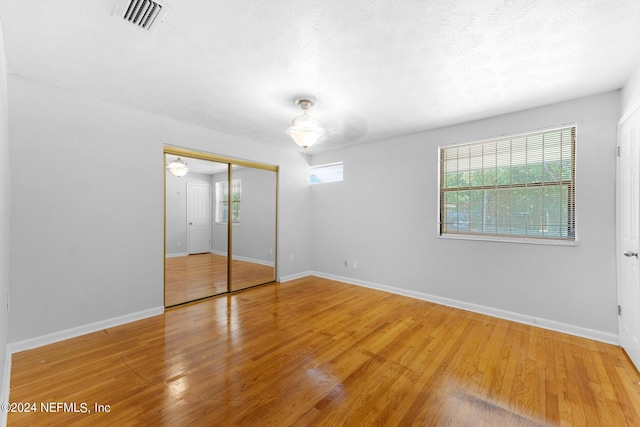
point(146, 14)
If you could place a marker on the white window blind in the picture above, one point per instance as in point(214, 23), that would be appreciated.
point(520, 186)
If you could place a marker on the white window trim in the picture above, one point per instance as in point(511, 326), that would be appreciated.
point(505, 239)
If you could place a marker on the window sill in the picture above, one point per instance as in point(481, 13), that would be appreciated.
point(506, 239)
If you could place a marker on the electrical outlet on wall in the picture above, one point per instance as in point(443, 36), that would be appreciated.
point(355, 264)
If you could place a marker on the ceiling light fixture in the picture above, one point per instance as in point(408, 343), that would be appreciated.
point(304, 129)
point(178, 167)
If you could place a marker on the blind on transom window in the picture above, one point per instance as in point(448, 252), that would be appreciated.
point(518, 186)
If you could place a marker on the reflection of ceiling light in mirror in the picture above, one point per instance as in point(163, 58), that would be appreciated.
point(178, 167)
point(304, 129)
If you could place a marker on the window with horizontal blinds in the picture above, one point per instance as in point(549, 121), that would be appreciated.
point(520, 186)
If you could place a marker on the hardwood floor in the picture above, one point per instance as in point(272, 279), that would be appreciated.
point(191, 277)
point(319, 352)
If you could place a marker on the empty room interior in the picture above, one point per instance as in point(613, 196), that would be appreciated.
point(330, 213)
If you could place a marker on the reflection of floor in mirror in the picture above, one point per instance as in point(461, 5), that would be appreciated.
point(191, 277)
point(246, 274)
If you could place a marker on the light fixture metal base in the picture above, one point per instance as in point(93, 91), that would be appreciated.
point(299, 100)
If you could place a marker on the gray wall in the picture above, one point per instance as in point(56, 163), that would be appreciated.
point(631, 93)
point(4, 226)
point(384, 215)
point(87, 240)
point(254, 235)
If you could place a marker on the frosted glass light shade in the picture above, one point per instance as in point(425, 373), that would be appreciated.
point(178, 167)
point(304, 130)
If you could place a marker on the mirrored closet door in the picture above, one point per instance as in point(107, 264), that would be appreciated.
point(253, 230)
point(215, 206)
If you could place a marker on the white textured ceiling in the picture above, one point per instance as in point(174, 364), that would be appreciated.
point(378, 68)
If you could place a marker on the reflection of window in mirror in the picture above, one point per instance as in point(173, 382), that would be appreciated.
point(222, 205)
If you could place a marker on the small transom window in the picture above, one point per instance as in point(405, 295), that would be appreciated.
point(326, 173)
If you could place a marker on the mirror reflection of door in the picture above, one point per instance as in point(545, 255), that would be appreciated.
point(196, 250)
point(254, 227)
point(198, 218)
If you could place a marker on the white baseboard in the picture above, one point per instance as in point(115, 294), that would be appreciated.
point(247, 259)
point(297, 276)
point(552, 325)
point(253, 260)
point(176, 255)
point(6, 383)
point(82, 330)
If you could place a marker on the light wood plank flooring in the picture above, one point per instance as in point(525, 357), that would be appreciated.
point(191, 277)
point(319, 352)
